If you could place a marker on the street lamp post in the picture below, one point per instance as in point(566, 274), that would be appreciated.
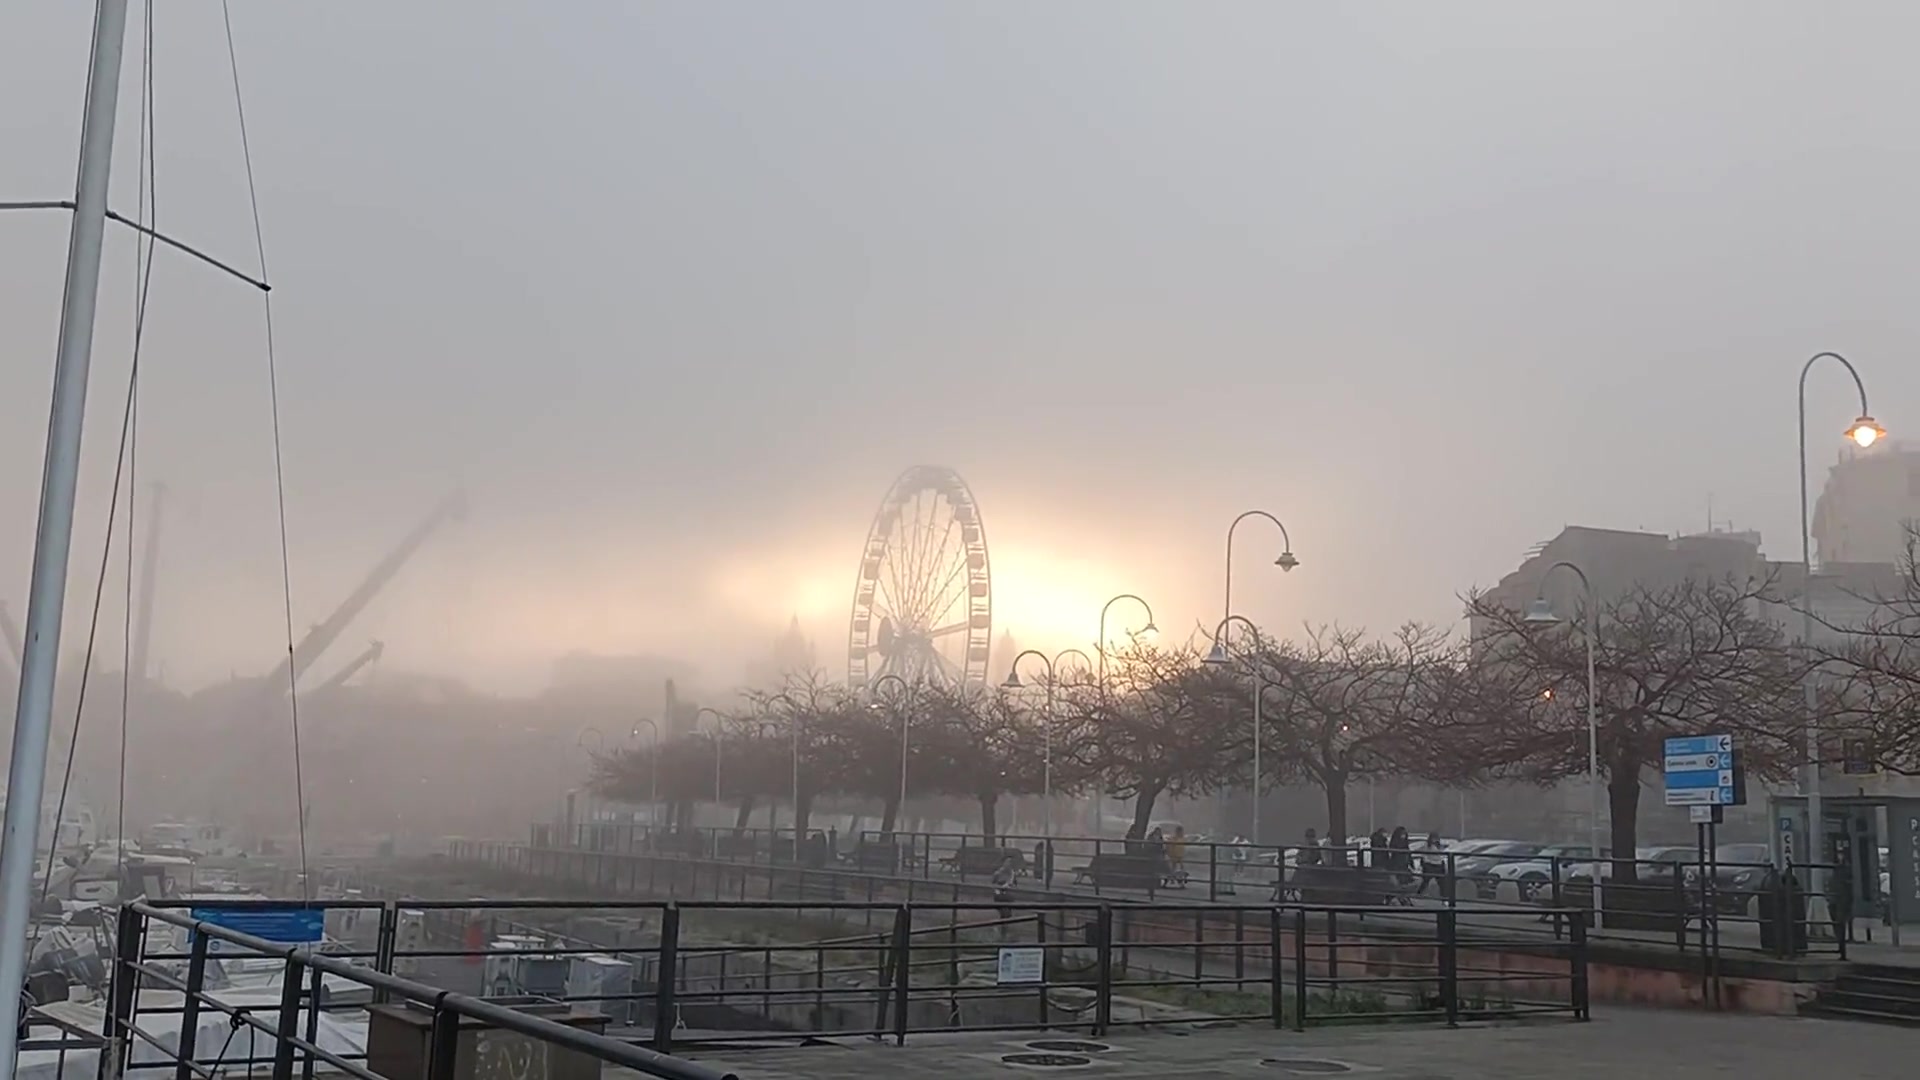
point(1219, 657)
point(1286, 561)
point(653, 766)
point(902, 683)
point(1865, 431)
point(1101, 645)
point(1046, 728)
point(719, 722)
point(1541, 613)
point(793, 727)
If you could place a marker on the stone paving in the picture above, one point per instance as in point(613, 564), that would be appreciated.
point(1620, 1042)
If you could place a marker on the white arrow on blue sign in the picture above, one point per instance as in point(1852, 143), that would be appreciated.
point(1699, 770)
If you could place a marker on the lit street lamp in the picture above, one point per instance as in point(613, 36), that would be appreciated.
point(875, 690)
point(1864, 431)
point(1218, 657)
point(1286, 561)
point(1046, 728)
point(1540, 613)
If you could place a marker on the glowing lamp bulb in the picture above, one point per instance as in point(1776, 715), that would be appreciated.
point(1865, 432)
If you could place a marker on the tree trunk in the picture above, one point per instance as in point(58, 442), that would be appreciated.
point(891, 815)
point(1143, 811)
point(1336, 788)
point(743, 816)
point(1623, 802)
point(989, 825)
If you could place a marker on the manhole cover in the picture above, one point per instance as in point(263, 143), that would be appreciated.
point(1069, 1046)
point(1046, 1061)
point(1308, 1066)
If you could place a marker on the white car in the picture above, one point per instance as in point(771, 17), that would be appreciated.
point(1532, 877)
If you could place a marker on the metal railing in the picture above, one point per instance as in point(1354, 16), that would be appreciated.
point(1688, 903)
point(291, 1028)
point(707, 972)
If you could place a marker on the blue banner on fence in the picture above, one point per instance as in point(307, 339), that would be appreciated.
point(281, 925)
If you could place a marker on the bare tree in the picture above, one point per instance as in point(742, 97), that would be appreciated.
point(1871, 693)
point(1339, 706)
point(1168, 731)
point(980, 745)
point(1695, 657)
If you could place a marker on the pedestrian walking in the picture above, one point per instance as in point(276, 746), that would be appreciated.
point(1433, 864)
point(1003, 879)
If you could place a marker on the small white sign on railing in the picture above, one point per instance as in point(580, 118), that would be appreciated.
point(1022, 966)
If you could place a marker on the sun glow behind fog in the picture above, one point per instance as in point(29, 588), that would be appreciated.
point(1046, 598)
point(1051, 600)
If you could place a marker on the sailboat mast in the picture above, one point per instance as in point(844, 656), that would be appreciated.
point(53, 539)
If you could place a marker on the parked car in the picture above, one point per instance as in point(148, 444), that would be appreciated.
point(1536, 874)
point(1654, 865)
point(1476, 865)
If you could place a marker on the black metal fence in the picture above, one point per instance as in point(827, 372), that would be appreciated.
point(703, 972)
point(1689, 900)
point(291, 1028)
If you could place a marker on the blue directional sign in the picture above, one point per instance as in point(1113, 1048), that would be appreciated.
point(1703, 770)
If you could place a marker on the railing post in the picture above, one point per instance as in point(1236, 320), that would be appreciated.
point(1450, 965)
point(1453, 895)
point(190, 1009)
point(902, 971)
point(1679, 911)
point(314, 989)
point(292, 986)
point(1559, 900)
point(1276, 975)
point(443, 1042)
point(1103, 970)
point(1299, 969)
point(386, 943)
point(129, 947)
point(667, 974)
point(1333, 950)
point(1200, 950)
point(1577, 935)
point(1040, 941)
point(1213, 872)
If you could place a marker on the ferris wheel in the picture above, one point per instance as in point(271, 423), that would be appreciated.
point(923, 599)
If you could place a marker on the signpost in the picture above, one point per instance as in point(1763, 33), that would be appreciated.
point(1704, 774)
point(1704, 770)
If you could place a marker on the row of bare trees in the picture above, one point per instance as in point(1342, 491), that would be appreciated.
point(1505, 702)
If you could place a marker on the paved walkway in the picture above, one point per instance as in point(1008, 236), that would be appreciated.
point(1620, 1043)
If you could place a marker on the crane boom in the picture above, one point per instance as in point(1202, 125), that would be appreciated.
point(322, 636)
point(339, 678)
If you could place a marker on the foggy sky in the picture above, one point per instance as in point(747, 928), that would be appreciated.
point(675, 290)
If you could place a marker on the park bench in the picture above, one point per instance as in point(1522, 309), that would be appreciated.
point(1358, 885)
point(1118, 870)
point(691, 844)
point(982, 861)
point(877, 857)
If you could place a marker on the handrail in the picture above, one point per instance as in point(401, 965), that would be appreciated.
point(646, 1062)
